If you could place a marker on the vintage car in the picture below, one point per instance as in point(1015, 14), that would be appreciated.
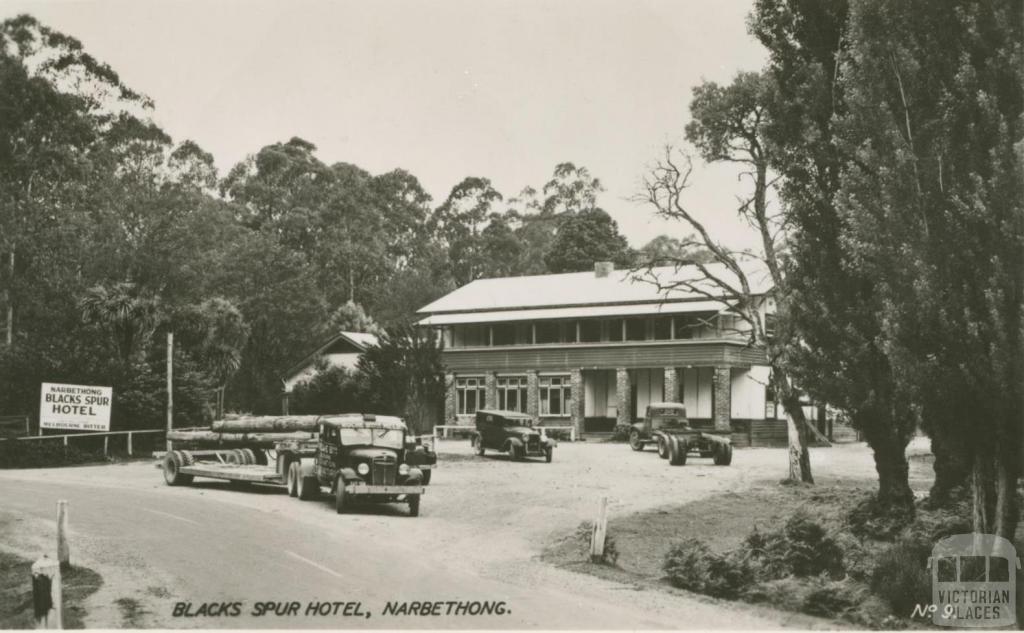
point(666, 425)
point(510, 432)
point(420, 455)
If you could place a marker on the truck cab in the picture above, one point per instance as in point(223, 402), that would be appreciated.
point(360, 457)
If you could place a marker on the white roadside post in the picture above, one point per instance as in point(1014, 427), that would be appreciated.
point(170, 386)
point(600, 532)
point(63, 549)
point(47, 596)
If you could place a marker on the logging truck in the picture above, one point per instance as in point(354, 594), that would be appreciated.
point(358, 457)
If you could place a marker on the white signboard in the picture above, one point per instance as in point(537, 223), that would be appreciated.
point(75, 407)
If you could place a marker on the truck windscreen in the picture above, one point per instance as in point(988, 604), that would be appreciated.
point(388, 438)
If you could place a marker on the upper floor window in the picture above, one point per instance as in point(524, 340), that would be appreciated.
point(636, 329)
point(590, 331)
point(662, 328)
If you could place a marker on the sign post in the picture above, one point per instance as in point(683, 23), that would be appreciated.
point(170, 386)
point(75, 407)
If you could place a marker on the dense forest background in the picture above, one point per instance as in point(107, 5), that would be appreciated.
point(113, 233)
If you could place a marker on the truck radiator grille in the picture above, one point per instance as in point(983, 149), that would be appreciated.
point(384, 470)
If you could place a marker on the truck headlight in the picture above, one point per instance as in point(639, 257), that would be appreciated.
point(363, 468)
point(403, 469)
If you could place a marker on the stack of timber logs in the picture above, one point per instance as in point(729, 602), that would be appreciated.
point(262, 431)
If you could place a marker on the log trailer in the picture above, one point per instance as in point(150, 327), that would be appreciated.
point(357, 457)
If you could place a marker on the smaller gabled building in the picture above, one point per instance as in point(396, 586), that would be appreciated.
point(592, 349)
point(340, 350)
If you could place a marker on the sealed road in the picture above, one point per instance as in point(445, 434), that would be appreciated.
point(213, 556)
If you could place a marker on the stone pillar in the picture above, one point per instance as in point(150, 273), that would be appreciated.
point(723, 399)
point(578, 395)
point(671, 386)
point(623, 394)
point(490, 390)
point(449, 398)
point(532, 395)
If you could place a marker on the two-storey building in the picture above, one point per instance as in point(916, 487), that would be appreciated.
point(592, 349)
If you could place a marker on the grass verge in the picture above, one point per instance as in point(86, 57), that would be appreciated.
point(16, 593)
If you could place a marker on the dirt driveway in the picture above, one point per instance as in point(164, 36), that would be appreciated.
point(491, 518)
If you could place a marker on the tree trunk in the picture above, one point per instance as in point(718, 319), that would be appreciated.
point(1007, 508)
point(799, 438)
point(983, 495)
point(951, 468)
point(9, 336)
point(893, 470)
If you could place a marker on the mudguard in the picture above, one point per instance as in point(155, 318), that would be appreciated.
point(514, 442)
point(414, 477)
point(348, 474)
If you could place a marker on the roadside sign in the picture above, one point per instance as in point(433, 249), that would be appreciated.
point(75, 407)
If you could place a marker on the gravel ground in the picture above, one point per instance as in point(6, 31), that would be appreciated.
point(493, 517)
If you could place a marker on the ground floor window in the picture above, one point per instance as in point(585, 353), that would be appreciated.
point(512, 393)
point(472, 395)
point(555, 395)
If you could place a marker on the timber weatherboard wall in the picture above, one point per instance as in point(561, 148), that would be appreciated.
point(602, 355)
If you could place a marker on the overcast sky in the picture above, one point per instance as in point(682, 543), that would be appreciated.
point(445, 89)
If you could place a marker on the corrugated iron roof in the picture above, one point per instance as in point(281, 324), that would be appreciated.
point(587, 289)
point(580, 312)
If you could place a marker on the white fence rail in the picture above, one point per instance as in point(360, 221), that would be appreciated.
point(105, 434)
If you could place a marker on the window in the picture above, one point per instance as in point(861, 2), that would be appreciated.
point(470, 336)
point(555, 395)
point(636, 329)
point(524, 333)
point(769, 403)
point(590, 331)
point(663, 328)
point(512, 393)
point(549, 332)
point(471, 395)
point(687, 326)
point(615, 330)
point(503, 334)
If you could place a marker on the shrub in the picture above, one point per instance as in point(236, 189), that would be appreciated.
point(621, 433)
point(874, 520)
point(900, 575)
point(583, 535)
point(691, 565)
point(43, 454)
point(801, 548)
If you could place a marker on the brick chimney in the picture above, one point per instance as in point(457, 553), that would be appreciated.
point(603, 269)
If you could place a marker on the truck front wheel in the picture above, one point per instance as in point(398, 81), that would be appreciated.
point(340, 502)
point(414, 505)
point(426, 476)
point(662, 448)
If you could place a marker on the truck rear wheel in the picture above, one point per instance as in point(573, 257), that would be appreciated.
point(414, 505)
point(173, 476)
point(677, 451)
point(293, 479)
point(340, 501)
point(723, 455)
point(662, 448)
point(307, 487)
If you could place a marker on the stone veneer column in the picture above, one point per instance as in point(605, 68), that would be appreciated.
point(532, 394)
point(490, 390)
point(622, 394)
point(449, 398)
point(577, 412)
point(671, 385)
point(723, 399)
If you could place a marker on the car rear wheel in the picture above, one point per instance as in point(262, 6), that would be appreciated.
point(414, 505)
point(662, 448)
point(478, 444)
point(677, 451)
point(634, 440)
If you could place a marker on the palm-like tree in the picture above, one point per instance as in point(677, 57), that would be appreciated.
point(129, 319)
